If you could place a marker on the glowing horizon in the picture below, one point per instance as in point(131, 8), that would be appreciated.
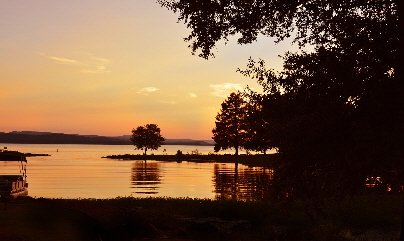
point(104, 68)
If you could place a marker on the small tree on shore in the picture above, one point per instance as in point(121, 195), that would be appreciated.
point(147, 137)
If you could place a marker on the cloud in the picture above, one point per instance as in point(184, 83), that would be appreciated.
point(223, 90)
point(97, 65)
point(96, 70)
point(169, 102)
point(147, 90)
point(100, 59)
point(192, 95)
point(93, 65)
point(63, 60)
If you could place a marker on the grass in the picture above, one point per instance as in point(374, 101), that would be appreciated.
point(129, 218)
point(367, 212)
point(28, 222)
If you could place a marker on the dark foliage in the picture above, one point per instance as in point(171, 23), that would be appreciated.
point(335, 113)
point(147, 137)
point(322, 22)
point(231, 129)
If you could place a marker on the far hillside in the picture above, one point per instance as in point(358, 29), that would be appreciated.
point(34, 137)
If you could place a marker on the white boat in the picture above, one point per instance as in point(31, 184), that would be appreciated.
point(13, 186)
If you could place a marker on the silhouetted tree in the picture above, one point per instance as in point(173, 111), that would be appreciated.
point(231, 124)
point(328, 110)
point(328, 106)
point(318, 22)
point(147, 137)
point(336, 113)
point(258, 126)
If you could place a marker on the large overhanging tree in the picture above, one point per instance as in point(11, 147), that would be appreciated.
point(308, 21)
point(345, 96)
point(364, 31)
point(338, 108)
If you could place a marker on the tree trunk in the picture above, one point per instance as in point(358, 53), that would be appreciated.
point(145, 150)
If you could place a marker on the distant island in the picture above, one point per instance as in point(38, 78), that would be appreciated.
point(34, 137)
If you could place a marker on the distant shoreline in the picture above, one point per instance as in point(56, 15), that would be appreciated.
point(32, 137)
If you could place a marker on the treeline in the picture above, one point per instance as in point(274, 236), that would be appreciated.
point(61, 138)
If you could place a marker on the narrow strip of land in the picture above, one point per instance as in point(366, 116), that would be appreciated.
point(255, 160)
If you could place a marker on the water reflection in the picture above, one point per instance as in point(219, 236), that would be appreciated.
point(234, 181)
point(230, 181)
point(145, 177)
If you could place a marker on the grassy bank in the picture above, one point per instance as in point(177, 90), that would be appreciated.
point(254, 160)
point(365, 217)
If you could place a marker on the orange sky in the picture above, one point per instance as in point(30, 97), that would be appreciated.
point(105, 67)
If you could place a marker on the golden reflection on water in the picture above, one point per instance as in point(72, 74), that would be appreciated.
point(106, 178)
point(235, 181)
point(146, 177)
point(78, 171)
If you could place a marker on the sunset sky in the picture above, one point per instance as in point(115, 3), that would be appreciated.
point(101, 67)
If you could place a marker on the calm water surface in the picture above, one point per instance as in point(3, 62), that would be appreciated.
point(78, 171)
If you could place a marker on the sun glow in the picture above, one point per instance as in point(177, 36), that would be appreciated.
point(74, 67)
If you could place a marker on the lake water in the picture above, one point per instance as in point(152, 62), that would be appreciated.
point(78, 171)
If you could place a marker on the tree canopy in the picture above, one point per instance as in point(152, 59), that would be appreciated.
point(147, 137)
point(338, 108)
point(323, 22)
point(231, 129)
